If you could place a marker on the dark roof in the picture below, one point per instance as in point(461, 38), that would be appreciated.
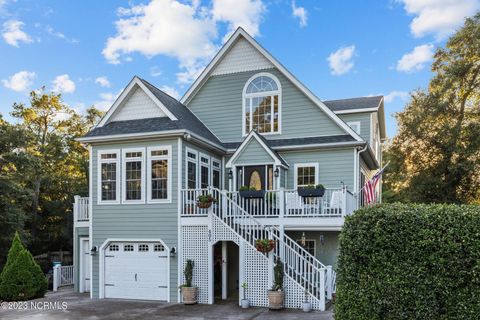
point(297, 141)
point(186, 120)
point(354, 103)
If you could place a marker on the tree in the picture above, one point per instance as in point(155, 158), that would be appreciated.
point(435, 157)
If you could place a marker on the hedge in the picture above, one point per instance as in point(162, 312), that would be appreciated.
point(21, 277)
point(400, 261)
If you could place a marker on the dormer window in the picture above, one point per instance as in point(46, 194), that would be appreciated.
point(262, 104)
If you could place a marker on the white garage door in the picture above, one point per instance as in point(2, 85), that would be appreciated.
point(136, 271)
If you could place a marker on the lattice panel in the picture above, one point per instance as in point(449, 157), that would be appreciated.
point(221, 233)
point(195, 246)
point(255, 274)
point(295, 294)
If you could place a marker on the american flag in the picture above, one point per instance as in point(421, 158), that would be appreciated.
point(370, 187)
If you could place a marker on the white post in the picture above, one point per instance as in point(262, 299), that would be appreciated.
point(56, 277)
point(322, 289)
point(281, 202)
point(271, 263)
point(224, 270)
point(210, 255)
point(344, 201)
point(76, 205)
point(329, 282)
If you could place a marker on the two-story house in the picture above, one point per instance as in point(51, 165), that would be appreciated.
point(246, 121)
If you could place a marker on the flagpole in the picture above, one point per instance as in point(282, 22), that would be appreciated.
point(374, 175)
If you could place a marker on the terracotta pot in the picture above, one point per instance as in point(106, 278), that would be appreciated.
point(189, 295)
point(275, 300)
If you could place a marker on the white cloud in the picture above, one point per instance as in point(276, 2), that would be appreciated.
point(416, 59)
point(20, 81)
point(402, 95)
point(170, 91)
point(107, 99)
point(63, 84)
point(438, 17)
point(247, 14)
point(13, 34)
point(147, 29)
point(59, 35)
point(300, 13)
point(341, 61)
point(103, 81)
point(155, 71)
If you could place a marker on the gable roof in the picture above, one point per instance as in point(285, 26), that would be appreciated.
point(226, 48)
point(354, 104)
point(184, 119)
point(279, 161)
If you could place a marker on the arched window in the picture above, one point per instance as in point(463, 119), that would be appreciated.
point(262, 104)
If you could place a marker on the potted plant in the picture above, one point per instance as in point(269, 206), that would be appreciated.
point(204, 201)
point(312, 191)
point(245, 302)
point(251, 193)
point(189, 292)
point(276, 295)
point(307, 305)
point(264, 245)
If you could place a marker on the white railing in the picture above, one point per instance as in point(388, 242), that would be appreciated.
point(80, 209)
point(62, 276)
point(300, 265)
point(279, 203)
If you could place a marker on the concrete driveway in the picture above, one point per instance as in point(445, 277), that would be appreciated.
point(67, 305)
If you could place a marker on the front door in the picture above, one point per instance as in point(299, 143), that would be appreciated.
point(85, 265)
point(254, 176)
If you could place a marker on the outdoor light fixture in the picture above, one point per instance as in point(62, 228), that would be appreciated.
point(230, 175)
point(322, 239)
point(173, 251)
point(93, 251)
point(277, 172)
point(303, 240)
point(187, 136)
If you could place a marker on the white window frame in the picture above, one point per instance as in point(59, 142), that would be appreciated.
point(246, 95)
point(124, 175)
point(304, 165)
point(169, 173)
point(205, 165)
point(354, 123)
point(299, 241)
point(219, 169)
point(195, 161)
point(100, 161)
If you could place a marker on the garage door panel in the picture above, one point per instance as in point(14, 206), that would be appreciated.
point(136, 274)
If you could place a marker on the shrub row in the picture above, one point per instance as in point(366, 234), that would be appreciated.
point(400, 261)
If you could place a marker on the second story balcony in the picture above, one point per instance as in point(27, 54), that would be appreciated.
point(81, 212)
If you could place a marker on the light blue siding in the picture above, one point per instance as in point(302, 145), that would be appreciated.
point(254, 153)
point(137, 221)
point(334, 166)
point(364, 119)
point(219, 105)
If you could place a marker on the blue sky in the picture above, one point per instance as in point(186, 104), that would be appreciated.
point(89, 50)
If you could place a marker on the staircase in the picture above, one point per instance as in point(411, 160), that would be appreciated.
point(306, 271)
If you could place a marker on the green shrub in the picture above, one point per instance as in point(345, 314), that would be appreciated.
point(21, 278)
point(402, 261)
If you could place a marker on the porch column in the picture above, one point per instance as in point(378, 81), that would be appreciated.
point(224, 270)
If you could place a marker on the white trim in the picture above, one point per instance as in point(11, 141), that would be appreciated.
point(90, 211)
point(168, 157)
point(125, 94)
point(205, 165)
point(355, 123)
point(81, 275)
point(124, 174)
point(240, 32)
point(100, 161)
point(304, 165)
point(364, 110)
point(219, 169)
point(245, 142)
point(321, 145)
point(246, 95)
point(179, 209)
point(101, 262)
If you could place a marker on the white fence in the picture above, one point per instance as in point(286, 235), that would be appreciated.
point(80, 209)
point(280, 203)
point(62, 276)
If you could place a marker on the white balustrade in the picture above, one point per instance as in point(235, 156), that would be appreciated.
point(80, 209)
point(62, 276)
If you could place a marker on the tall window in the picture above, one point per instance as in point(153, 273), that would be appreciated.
point(216, 174)
point(108, 176)
point(159, 174)
point(133, 175)
point(204, 172)
point(261, 99)
point(306, 174)
point(191, 169)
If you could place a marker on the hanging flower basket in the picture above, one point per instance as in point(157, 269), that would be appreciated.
point(265, 245)
point(205, 201)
